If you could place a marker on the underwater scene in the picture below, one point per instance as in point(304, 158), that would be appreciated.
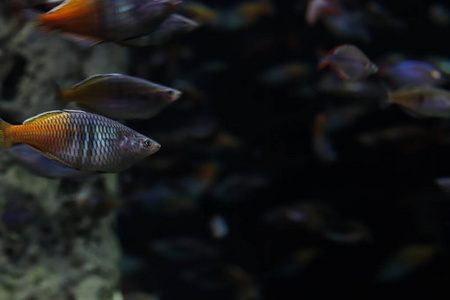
point(212, 149)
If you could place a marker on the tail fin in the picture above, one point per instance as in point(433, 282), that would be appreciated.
point(5, 137)
point(323, 58)
point(387, 100)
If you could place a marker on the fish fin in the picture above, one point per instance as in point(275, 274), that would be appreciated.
point(42, 116)
point(92, 79)
point(341, 76)
point(70, 111)
point(52, 157)
point(5, 137)
point(386, 101)
point(82, 40)
point(323, 63)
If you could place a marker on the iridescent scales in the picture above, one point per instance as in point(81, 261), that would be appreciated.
point(81, 140)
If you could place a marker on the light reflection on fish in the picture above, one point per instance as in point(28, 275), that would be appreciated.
point(120, 96)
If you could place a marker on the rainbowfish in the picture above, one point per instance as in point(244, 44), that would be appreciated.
point(174, 25)
point(95, 21)
point(410, 72)
point(349, 62)
point(80, 140)
point(199, 12)
point(315, 9)
point(118, 96)
point(423, 100)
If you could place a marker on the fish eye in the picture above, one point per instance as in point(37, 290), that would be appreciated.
point(169, 93)
point(147, 143)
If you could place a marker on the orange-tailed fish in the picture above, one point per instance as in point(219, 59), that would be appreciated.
point(119, 96)
point(80, 140)
point(95, 21)
point(349, 62)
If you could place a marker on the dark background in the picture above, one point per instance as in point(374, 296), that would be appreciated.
point(393, 192)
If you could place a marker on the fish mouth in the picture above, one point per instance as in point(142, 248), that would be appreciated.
point(156, 146)
point(175, 95)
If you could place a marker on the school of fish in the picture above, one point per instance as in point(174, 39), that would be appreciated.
point(90, 141)
point(67, 143)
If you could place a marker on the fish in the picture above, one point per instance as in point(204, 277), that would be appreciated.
point(347, 25)
point(315, 9)
point(377, 16)
point(218, 226)
point(349, 62)
point(250, 11)
point(404, 138)
point(444, 184)
point(175, 24)
point(244, 14)
point(118, 96)
point(424, 101)
point(347, 231)
point(328, 122)
point(97, 21)
point(199, 12)
point(80, 140)
point(406, 260)
point(311, 215)
point(441, 62)
point(409, 72)
point(371, 89)
point(439, 14)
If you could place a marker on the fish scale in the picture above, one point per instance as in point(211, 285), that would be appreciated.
point(81, 140)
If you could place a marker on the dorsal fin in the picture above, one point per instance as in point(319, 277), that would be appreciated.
point(94, 78)
point(68, 5)
point(49, 114)
point(70, 111)
point(42, 116)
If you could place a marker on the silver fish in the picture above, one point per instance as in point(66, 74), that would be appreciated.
point(118, 96)
point(424, 100)
point(349, 62)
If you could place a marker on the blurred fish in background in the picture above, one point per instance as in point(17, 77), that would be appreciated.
point(349, 62)
point(119, 96)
